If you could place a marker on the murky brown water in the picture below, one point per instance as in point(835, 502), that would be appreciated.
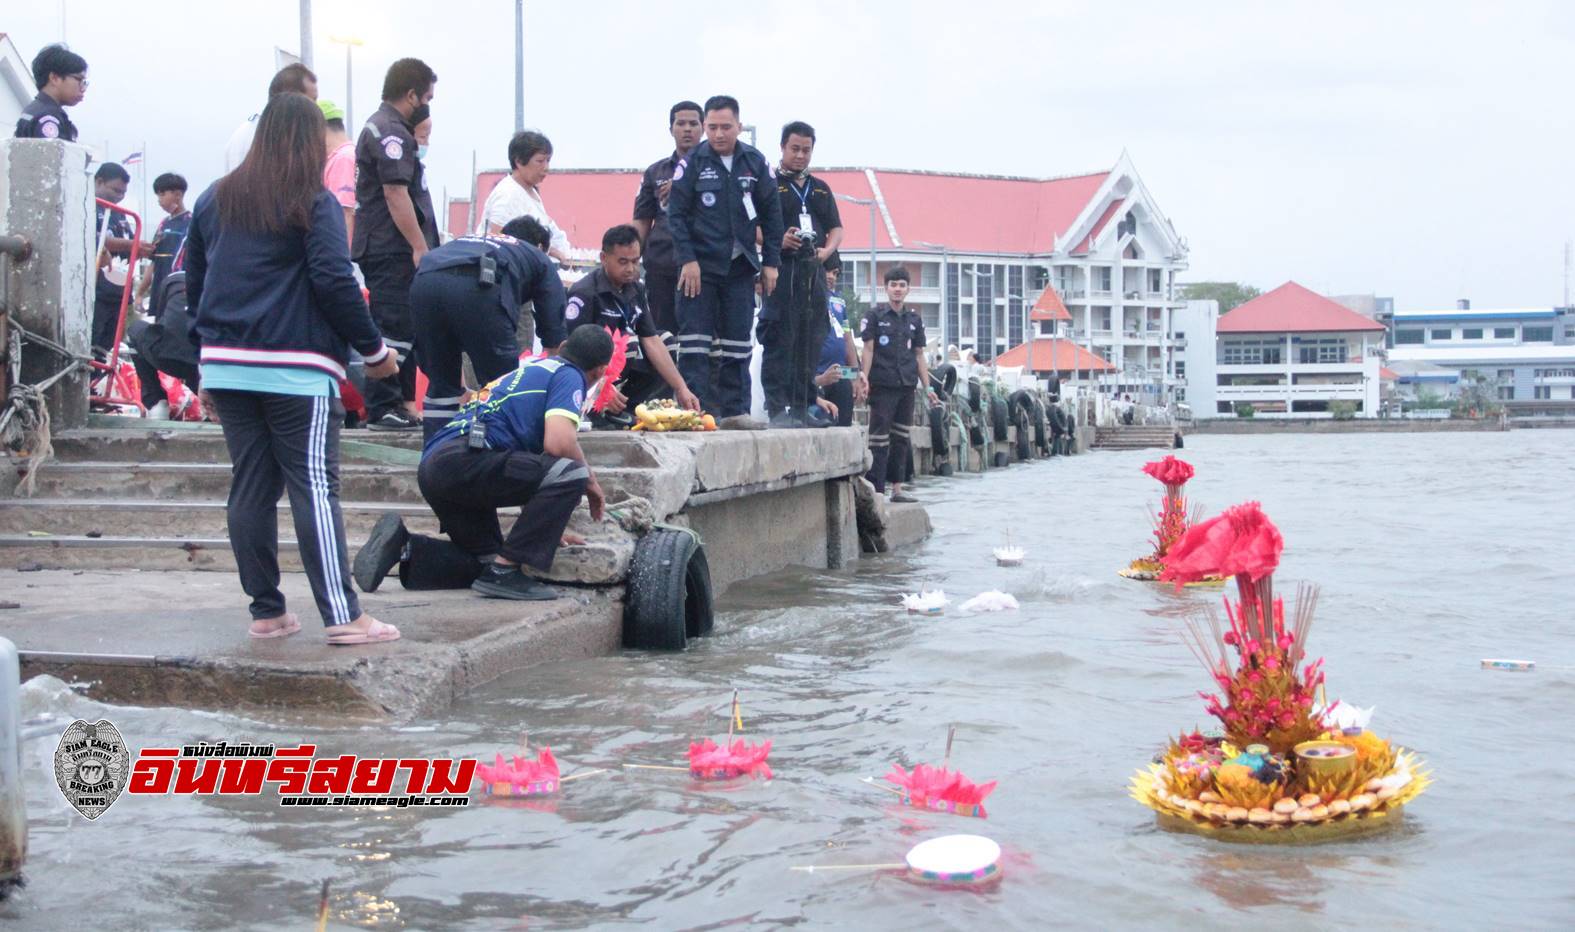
point(1433, 553)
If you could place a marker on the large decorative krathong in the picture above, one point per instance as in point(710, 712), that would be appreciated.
point(1174, 518)
point(1285, 769)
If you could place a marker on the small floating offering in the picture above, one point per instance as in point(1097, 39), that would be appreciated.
point(711, 761)
point(521, 776)
point(991, 601)
point(1009, 556)
point(1174, 518)
point(925, 603)
point(1284, 770)
point(940, 790)
point(947, 861)
point(1516, 666)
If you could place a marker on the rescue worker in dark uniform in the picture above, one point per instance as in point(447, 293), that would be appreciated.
point(61, 77)
point(793, 323)
point(723, 196)
point(650, 216)
point(515, 444)
point(109, 184)
point(840, 381)
point(612, 297)
point(466, 300)
point(894, 364)
point(394, 227)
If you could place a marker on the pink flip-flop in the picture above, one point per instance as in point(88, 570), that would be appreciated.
point(292, 624)
point(376, 633)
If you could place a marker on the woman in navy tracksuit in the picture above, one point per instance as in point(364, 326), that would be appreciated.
point(277, 308)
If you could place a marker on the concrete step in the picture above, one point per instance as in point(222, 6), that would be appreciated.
point(188, 443)
point(183, 520)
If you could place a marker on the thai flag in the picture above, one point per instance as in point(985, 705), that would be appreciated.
point(132, 159)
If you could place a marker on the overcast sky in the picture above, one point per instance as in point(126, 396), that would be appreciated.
point(1416, 149)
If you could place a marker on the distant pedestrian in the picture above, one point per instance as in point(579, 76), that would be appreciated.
point(895, 366)
point(723, 200)
point(794, 322)
point(109, 184)
point(466, 300)
point(395, 225)
point(650, 216)
point(518, 194)
point(339, 170)
point(277, 312)
point(61, 78)
point(292, 78)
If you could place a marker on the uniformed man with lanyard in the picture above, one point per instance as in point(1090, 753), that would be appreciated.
point(793, 322)
point(466, 300)
point(894, 364)
point(650, 216)
point(394, 227)
point(612, 297)
point(723, 196)
point(514, 445)
point(61, 77)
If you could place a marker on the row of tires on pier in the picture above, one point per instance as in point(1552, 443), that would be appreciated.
point(982, 421)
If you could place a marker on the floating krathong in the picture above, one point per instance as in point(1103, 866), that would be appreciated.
point(991, 601)
point(947, 861)
point(941, 790)
point(1286, 770)
point(711, 761)
point(1174, 518)
point(1009, 556)
point(521, 776)
point(932, 602)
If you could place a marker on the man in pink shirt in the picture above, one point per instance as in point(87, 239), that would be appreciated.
point(339, 171)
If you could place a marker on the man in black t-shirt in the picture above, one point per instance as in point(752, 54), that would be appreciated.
point(394, 227)
point(650, 216)
point(793, 323)
point(611, 297)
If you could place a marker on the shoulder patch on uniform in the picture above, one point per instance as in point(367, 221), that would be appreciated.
point(579, 398)
point(393, 148)
point(678, 169)
point(48, 126)
point(708, 198)
point(571, 310)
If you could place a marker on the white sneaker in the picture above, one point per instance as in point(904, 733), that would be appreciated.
point(159, 412)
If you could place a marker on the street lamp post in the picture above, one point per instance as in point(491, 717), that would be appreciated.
point(349, 42)
point(946, 338)
point(870, 203)
point(519, 65)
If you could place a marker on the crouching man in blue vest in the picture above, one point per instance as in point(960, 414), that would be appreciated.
point(513, 445)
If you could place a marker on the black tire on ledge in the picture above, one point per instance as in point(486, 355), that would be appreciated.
point(1025, 449)
point(1000, 419)
point(669, 599)
point(1001, 460)
point(940, 449)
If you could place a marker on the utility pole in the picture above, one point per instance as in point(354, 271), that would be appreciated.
point(349, 42)
point(1566, 273)
point(870, 203)
point(306, 33)
point(519, 65)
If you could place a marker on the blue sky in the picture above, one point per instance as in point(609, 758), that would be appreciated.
point(1419, 150)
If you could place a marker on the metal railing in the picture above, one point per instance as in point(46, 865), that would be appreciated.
point(112, 361)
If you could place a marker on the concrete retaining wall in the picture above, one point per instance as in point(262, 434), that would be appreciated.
point(1286, 425)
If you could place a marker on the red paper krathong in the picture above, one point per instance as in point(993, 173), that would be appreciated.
point(1268, 694)
point(620, 358)
point(523, 776)
point(1173, 518)
point(711, 761)
point(938, 788)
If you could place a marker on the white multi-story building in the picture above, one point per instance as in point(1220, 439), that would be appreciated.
point(1527, 354)
point(1193, 328)
point(981, 249)
point(1294, 353)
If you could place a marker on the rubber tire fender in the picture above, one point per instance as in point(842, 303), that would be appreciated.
point(976, 431)
point(975, 394)
point(940, 450)
point(943, 378)
point(1000, 418)
point(669, 598)
point(1025, 448)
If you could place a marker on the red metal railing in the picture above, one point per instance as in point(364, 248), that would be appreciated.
point(112, 362)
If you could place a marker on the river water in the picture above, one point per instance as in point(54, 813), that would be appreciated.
point(1433, 552)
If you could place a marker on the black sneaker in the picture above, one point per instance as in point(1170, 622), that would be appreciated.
point(393, 420)
point(816, 416)
point(383, 549)
point(498, 582)
point(603, 420)
point(785, 419)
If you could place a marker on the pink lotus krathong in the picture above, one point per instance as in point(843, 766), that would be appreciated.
point(522, 776)
point(711, 761)
point(944, 790)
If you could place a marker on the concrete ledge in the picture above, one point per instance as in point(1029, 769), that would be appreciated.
point(136, 648)
point(1293, 425)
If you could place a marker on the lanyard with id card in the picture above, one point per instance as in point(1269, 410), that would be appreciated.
point(806, 222)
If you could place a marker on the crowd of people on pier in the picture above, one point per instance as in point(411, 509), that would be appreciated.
point(318, 254)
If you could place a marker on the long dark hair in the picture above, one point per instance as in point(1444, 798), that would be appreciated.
point(272, 189)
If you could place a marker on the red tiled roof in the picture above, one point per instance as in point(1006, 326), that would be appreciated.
point(968, 213)
point(1386, 374)
point(1055, 355)
point(1291, 308)
point(1049, 306)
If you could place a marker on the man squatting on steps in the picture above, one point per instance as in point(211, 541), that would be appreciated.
point(515, 444)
